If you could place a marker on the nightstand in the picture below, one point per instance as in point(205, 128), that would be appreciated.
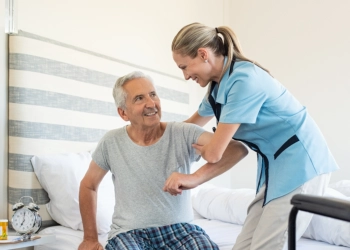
point(43, 240)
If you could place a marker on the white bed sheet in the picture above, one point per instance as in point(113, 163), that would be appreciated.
point(224, 234)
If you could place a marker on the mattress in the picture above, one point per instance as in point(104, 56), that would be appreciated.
point(222, 233)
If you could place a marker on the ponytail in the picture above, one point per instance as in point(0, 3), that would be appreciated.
point(233, 47)
point(221, 40)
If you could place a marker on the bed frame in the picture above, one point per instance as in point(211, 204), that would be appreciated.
point(60, 100)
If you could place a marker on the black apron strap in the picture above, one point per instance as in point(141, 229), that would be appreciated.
point(214, 105)
point(217, 111)
point(231, 66)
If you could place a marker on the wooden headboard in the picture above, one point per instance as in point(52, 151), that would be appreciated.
point(60, 100)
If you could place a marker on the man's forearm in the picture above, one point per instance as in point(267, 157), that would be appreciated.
point(88, 207)
point(177, 182)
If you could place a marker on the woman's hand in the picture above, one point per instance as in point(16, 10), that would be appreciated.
point(202, 151)
point(198, 148)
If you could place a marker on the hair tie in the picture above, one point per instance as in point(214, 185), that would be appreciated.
point(217, 31)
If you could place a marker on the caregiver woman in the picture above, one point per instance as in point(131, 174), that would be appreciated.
point(253, 107)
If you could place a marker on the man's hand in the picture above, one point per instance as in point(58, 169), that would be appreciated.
point(90, 245)
point(178, 182)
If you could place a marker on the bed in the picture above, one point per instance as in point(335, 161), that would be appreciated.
point(60, 105)
point(221, 212)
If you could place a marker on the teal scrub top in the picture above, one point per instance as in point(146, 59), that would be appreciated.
point(291, 148)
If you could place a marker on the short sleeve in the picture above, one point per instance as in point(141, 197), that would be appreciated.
point(205, 108)
point(192, 133)
point(244, 99)
point(99, 155)
point(198, 132)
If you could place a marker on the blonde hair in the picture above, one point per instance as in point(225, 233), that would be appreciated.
point(196, 35)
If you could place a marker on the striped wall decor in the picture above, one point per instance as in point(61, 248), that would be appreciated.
point(60, 100)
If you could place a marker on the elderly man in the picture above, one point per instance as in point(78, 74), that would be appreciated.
point(150, 161)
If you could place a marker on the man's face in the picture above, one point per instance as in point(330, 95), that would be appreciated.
point(142, 103)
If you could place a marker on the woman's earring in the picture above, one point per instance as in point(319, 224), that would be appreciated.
point(205, 61)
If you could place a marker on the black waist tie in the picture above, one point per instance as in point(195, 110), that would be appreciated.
point(256, 149)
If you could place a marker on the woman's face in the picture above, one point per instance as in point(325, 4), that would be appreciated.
point(194, 68)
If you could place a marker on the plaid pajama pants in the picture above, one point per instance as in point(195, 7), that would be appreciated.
point(178, 236)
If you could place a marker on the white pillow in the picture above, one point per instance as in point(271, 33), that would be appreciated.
point(342, 186)
point(224, 204)
point(333, 231)
point(60, 176)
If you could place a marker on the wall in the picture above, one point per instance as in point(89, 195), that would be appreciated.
point(141, 35)
point(137, 31)
point(3, 113)
point(305, 45)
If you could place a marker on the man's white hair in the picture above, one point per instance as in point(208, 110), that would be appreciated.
point(119, 93)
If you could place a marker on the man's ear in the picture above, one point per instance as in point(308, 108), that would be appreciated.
point(202, 53)
point(123, 114)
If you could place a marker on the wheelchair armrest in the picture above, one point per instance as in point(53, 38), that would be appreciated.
point(326, 206)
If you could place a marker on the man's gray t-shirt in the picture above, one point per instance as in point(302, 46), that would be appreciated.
point(140, 172)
